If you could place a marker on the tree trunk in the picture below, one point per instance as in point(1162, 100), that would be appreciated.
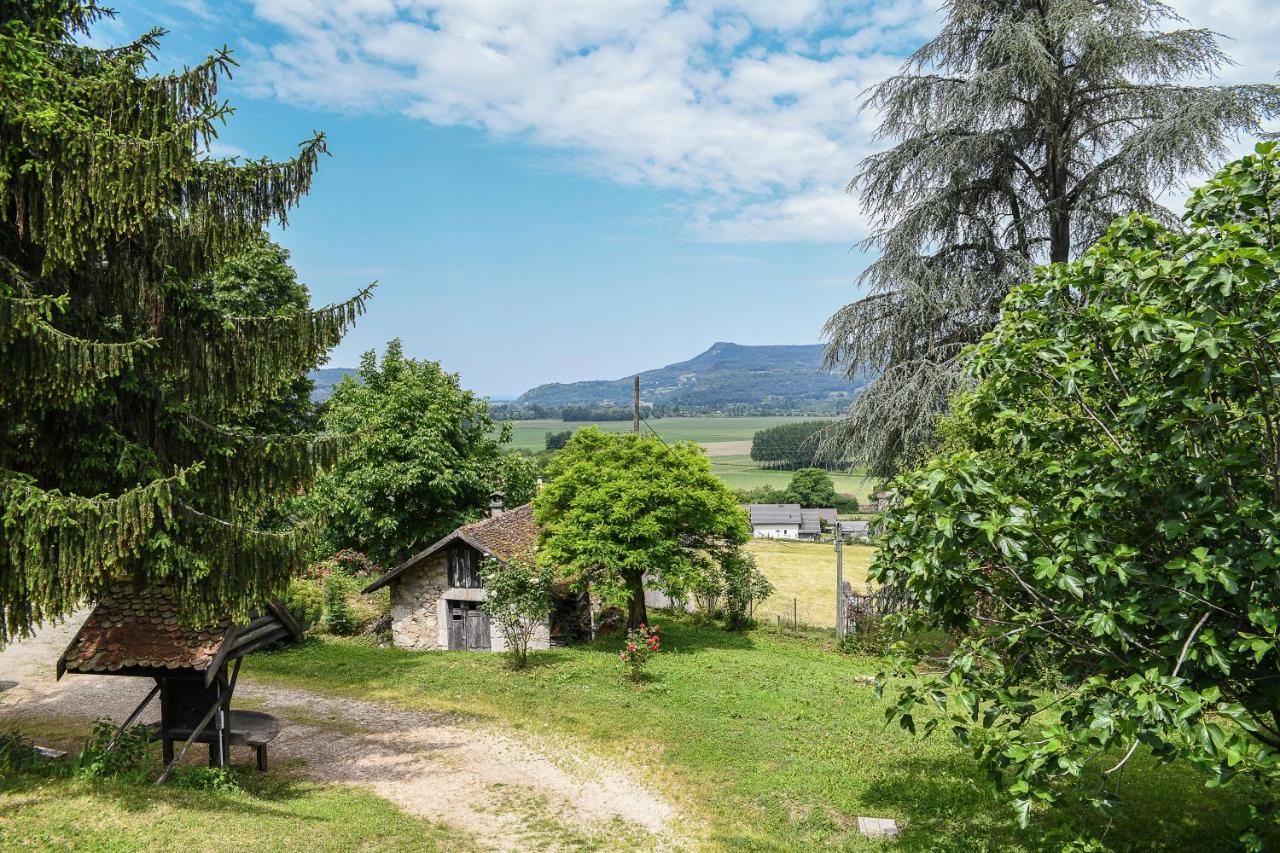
point(636, 614)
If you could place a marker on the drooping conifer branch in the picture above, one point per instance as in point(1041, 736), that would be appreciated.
point(38, 360)
point(243, 363)
point(62, 549)
point(248, 470)
point(235, 568)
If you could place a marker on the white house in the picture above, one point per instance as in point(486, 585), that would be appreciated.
point(788, 521)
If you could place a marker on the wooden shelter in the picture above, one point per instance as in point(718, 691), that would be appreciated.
point(136, 632)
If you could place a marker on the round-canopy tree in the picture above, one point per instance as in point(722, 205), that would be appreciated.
point(126, 378)
point(421, 458)
point(1110, 502)
point(622, 508)
point(1022, 130)
point(812, 487)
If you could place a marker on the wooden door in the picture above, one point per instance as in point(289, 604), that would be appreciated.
point(457, 626)
point(477, 629)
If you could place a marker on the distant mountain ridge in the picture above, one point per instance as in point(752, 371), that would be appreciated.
point(777, 377)
point(325, 378)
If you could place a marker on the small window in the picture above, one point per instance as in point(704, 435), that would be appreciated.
point(464, 568)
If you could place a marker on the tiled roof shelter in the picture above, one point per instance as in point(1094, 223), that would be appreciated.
point(136, 631)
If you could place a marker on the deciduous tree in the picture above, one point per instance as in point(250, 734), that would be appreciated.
point(812, 487)
point(422, 457)
point(1110, 502)
point(1022, 130)
point(620, 508)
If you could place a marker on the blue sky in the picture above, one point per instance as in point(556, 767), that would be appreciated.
point(568, 190)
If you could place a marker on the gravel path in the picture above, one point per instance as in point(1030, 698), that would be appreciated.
point(509, 791)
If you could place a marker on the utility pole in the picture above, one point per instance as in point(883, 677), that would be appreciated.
point(635, 416)
point(839, 582)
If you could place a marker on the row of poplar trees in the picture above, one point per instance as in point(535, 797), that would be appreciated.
point(1019, 134)
point(128, 392)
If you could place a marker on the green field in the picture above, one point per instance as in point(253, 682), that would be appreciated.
point(531, 435)
point(735, 468)
point(804, 579)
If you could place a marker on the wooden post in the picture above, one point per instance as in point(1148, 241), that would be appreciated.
point(795, 615)
point(635, 416)
point(839, 582)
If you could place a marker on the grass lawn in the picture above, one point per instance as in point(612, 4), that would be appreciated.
point(806, 573)
point(272, 812)
point(764, 739)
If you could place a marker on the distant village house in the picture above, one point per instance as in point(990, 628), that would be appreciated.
point(788, 521)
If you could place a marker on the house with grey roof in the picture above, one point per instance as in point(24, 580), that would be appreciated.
point(788, 521)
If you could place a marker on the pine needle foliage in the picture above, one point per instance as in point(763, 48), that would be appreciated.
point(128, 390)
point(1022, 130)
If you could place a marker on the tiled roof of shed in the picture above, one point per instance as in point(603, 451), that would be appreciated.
point(502, 536)
point(507, 534)
point(140, 628)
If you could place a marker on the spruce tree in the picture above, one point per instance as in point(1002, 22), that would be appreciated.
point(126, 386)
point(1022, 130)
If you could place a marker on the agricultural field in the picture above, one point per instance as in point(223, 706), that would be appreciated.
point(727, 440)
point(804, 579)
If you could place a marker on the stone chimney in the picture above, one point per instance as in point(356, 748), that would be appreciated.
point(496, 500)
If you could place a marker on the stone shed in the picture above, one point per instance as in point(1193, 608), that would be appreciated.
point(436, 594)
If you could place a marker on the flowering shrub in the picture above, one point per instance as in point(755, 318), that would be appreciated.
point(356, 564)
point(642, 644)
point(348, 561)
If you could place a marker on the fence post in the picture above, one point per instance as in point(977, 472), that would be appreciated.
point(839, 582)
point(795, 615)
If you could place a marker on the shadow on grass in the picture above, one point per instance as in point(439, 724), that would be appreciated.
point(254, 794)
point(680, 633)
point(946, 803)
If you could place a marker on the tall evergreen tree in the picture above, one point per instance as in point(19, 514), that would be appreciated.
point(125, 383)
point(1023, 129)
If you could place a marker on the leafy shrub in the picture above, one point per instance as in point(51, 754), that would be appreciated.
point(305, 600)
point(745, 586)
point(355, 564)
point(338, 616)
point(518, 598)
point(127, 758)
point(17, 754)
point(642, 644)
point(217, 779)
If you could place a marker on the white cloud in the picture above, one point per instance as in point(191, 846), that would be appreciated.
point(742, 104)
point(750, 107)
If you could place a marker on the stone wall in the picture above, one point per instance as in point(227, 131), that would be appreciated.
point(418, 609)
point(415, 604)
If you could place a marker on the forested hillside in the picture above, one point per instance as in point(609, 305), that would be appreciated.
point(727, 377)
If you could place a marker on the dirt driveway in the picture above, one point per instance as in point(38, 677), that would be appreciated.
point(509, 791)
